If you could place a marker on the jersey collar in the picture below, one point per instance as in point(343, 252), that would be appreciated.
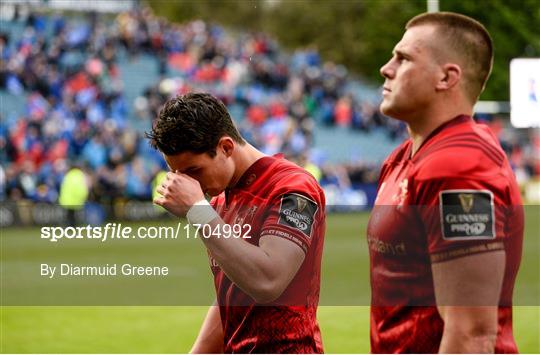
point(451, 123)
point(255, 171)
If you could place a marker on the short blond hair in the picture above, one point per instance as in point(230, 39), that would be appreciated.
point(469, 39)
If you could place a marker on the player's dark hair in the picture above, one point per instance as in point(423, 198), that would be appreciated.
point(194, 123)
point(467, 37)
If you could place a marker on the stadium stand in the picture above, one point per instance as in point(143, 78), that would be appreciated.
point(83, 89)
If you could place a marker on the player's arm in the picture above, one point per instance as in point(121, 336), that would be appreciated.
point(467, 291)
point(263, 271)
point(458, 201)
point(210, 338)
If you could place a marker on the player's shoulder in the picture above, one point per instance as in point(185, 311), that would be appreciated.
point(286, 177)
point(464, 150)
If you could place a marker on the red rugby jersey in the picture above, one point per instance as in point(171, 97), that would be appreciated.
point(457, 196)
point(274, 197)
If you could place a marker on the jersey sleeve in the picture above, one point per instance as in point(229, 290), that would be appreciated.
point(294, 215)
point(459, 217)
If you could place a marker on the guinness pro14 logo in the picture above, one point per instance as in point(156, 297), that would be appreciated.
point(467, 214)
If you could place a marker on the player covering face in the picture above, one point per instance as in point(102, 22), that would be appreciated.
point(267, 277)
point(446, 232)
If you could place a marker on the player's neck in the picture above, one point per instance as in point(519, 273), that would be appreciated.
point(246, 156)
point(421, 128)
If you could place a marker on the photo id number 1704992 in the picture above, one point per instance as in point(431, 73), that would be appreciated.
point(226, 231)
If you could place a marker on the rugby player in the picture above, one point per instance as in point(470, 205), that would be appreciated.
point(267, 280)
point(446, 233)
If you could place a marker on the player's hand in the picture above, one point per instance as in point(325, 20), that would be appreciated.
point(178, 193)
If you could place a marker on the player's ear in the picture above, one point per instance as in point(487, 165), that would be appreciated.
point(226, 145)
point(451, 76)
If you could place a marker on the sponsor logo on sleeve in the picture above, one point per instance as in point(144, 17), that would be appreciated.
point(467, 214)
point(298, 212)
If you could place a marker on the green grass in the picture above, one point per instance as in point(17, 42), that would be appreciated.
point(173, 329)
point(168, 329)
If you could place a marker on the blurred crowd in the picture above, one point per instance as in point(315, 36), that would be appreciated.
point(522, 148)
point(77, 112)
